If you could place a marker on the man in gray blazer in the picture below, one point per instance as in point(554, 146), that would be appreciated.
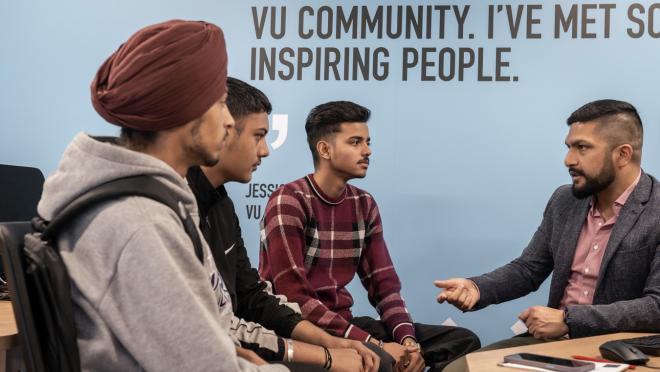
point(600, 239)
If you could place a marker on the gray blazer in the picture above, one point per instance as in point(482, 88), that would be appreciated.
point(627, 296)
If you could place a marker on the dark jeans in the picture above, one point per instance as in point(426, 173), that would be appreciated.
point(386, 360)
point(440, 344)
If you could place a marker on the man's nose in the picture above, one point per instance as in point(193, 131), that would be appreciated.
point(570, 159)
point(366, 150)
point(263, 150)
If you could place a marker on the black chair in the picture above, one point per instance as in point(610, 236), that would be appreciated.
point(40, 291)
point(11, 242)
point(20, 191)
point(43, 331)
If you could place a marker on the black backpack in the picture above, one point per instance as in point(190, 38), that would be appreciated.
point(47, 302)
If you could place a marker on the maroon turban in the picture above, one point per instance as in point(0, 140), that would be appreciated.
point(164, 76)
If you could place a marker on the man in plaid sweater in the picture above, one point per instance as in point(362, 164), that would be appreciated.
point(318, 231)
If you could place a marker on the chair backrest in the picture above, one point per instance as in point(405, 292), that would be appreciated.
point(11, 242)
point(20, 191)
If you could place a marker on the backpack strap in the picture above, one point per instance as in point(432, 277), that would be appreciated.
point(142, 185)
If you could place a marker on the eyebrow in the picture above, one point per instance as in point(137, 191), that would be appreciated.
point(577, 142)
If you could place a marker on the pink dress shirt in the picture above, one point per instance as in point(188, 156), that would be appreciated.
point(589, 252)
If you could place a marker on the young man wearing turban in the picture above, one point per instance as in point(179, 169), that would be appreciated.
point(141, 298)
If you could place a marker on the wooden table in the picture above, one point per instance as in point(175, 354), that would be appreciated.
point(8, 332)
point(487, 361)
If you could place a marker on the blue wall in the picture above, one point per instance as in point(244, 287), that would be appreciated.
point(461, 169)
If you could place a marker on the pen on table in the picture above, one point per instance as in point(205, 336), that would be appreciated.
point(589, 359)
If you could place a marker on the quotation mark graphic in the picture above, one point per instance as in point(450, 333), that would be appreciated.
point(280, 125)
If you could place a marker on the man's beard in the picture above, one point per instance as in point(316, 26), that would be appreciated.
point(197, 151)
point(594, 185)
point(207, 159)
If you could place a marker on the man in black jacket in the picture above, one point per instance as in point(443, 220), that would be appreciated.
point(264, 323)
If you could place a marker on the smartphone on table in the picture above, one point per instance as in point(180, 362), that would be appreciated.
point(548, 362)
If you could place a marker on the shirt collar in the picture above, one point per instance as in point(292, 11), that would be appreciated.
point(323, 196)
point(620, 201)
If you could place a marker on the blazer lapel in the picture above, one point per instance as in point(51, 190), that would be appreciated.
point(626, 220)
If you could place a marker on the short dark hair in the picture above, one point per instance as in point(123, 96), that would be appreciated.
point(243, 99)
point(618, 121)
point(135, 138)
point(326, 119)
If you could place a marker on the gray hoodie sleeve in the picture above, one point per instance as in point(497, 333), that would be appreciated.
point(162, 308)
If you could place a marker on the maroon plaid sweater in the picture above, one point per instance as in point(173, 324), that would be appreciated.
point(311, 247)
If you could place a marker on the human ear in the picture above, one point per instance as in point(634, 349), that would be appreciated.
point(623, 154)
point(323, 149)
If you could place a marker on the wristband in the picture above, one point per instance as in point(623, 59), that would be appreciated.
point(289, 350)
point(328, 359)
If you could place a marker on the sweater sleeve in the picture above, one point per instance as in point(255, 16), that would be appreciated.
point(281, 260)
point(381, 280)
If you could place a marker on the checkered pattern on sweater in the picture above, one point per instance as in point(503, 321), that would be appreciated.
point(312, 246)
